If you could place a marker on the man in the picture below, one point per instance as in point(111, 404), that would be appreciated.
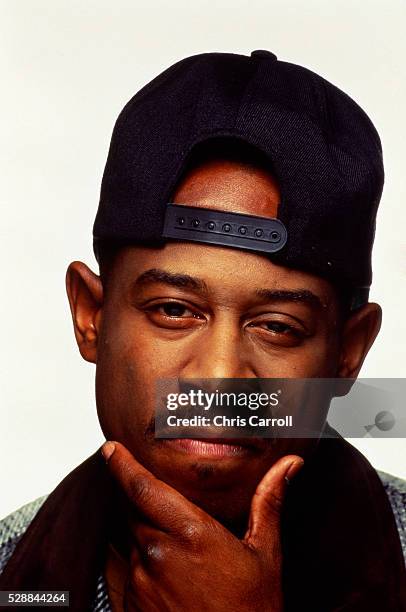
point(234, 236)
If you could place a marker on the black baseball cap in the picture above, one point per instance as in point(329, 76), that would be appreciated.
point(322, 149)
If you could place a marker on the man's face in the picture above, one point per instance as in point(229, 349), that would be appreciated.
point(196, 311)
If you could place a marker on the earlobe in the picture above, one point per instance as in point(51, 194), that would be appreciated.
point(359, 333)
point(85, 293)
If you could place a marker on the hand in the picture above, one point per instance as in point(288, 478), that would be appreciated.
point(183, 559)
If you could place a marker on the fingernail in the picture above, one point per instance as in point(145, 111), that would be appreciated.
point(107, 450)
point(293, 469)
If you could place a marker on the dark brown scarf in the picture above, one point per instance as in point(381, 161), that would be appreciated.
point(341, 547)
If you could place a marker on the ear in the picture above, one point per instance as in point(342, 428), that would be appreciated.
point(359, 333)
point(85, 293)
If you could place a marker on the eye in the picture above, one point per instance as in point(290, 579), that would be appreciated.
point(279, 328)
point(173, 315)
point(174, 309)
point(278, 332)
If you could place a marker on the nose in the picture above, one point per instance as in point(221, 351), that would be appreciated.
point(219, 353)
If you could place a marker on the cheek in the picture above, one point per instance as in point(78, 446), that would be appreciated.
point(326, 354)
point(129, 362)
point(317, 361)
point(317, 357)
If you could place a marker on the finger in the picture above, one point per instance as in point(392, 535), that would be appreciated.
point(264, 521)
point(163, 506)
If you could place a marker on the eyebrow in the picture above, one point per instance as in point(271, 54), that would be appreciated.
point(285, 295)
point(156, 275)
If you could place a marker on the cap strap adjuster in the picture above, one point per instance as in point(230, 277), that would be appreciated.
point(224, 228)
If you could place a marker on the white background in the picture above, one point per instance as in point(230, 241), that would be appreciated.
point(67, 68)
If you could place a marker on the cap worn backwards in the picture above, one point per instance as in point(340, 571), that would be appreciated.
point(323, 150)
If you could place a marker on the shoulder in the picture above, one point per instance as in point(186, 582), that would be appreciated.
point(13, 526)
point(354, 477)
point(393, 485)
point(396, 491)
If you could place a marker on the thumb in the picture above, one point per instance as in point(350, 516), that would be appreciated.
point(264, 521)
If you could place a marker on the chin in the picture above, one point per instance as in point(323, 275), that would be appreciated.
point(221, 487)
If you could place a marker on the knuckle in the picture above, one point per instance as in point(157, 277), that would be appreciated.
point(155, 552)
point(196, 537)
point(192, 532)
point(200, 536)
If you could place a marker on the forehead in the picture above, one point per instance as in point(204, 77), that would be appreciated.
point(229, 185)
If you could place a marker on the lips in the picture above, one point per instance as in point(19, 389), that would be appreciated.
point(218, 447)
